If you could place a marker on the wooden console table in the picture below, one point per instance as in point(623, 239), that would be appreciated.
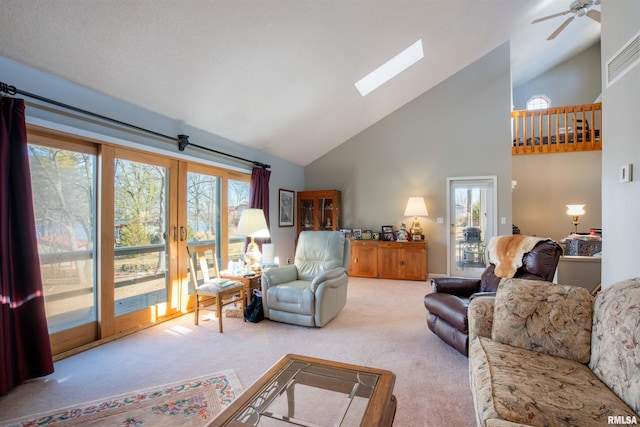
point(389, 260)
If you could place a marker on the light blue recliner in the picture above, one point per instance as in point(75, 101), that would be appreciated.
point(313, 290)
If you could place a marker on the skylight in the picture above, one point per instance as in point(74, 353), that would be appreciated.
point(391, 68)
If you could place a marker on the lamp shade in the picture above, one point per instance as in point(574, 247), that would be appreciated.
point(416, 207)
point(253, 224)
point(575, 210)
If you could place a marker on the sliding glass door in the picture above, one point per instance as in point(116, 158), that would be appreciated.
point(140, 235)
point(113, 224)
point(63, 177)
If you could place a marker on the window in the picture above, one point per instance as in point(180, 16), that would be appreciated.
point(538, 102)
point(63, 185)
point(113, 224)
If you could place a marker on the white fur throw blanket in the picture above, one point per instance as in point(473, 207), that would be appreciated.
point(506, 252)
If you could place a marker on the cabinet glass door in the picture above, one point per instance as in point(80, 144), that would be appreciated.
point(326, 213)
point(307, 214)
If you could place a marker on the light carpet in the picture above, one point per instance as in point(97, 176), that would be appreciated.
point(188, 403)
point(383, 326)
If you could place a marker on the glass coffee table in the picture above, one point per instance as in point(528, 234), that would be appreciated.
point(305, 391)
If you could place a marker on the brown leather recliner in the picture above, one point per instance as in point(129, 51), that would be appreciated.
point(448, 303)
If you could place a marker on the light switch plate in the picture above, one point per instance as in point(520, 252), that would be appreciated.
point(626, 173)
point(440, 220)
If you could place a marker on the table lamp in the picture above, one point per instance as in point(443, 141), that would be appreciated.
point(253, 224)
point(415, 208)
point(575, 211)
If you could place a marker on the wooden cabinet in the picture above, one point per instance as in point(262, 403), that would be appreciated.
point(364, 258)
point(402, 260)
point(389, 260)
point(319, 210)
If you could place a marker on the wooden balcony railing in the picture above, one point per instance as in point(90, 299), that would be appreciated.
point(557, 130)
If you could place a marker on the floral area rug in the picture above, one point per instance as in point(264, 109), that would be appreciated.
point(188, 403)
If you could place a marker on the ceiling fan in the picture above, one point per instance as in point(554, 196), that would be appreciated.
point(578, 8)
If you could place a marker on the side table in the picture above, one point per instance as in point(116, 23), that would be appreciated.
point(250, 283)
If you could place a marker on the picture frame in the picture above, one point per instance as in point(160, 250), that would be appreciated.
point(357, 233)
point(286, 208)
point(387, 233)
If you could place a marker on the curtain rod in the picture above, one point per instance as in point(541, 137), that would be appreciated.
point(182, 140)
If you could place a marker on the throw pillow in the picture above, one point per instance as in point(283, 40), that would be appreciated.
point(544, 317)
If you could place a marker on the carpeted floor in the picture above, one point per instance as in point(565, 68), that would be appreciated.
point(383, 325)
point(189, 403)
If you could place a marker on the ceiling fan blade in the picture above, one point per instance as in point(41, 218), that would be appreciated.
point(560, 28)
point(594, 14)
point(550, 16)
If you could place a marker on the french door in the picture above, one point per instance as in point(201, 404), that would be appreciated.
point(472, 218)
point(113, 224)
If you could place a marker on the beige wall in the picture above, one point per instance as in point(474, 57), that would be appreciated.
point(546, 183)
point(621, 104)
point(458, 128)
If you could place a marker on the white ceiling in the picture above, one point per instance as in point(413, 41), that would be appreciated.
point(277, 75)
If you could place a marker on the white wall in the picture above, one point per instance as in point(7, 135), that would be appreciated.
point(621, 104)
point(459, 128)
point(284, 174)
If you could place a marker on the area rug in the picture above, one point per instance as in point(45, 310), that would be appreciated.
point(187, 403)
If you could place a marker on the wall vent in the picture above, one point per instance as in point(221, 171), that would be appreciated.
point(624, 60)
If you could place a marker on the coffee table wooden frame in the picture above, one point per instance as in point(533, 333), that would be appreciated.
point(380, 411)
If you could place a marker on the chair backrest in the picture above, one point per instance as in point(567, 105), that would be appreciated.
point(319, 251)
point(472, 234)
point(198, 258)
point(579, 126)
point(539, 263)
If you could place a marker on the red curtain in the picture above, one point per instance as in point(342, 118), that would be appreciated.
point(25, 350)
point(259, 195)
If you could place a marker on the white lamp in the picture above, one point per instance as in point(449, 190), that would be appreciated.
point(253, 224)
point(575, 211)
point(415, 208)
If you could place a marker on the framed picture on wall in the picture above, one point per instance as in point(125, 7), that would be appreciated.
point(286, 203)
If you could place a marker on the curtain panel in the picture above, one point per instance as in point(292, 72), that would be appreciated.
point(259, 196)
point(25, 349)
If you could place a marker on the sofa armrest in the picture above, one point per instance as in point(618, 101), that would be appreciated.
point(329, 277)
point(480, 314)
point(459, 286)
point(277, 276)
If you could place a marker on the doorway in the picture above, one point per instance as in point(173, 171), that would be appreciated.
point(472, 218)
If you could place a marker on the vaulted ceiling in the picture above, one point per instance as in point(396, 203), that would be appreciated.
point(278, 75)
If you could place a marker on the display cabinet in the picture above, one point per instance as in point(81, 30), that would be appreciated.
point(319, 210)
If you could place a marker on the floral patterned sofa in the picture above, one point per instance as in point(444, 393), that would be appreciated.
point(542, 354)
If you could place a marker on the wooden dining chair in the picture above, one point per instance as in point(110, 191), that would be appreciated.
point(210, 291)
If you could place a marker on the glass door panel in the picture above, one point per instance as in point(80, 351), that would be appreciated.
point(140, 231)
point(326, 213)
point(63, 184)
point(237, 201)
point(307, 214)
point(472, 222)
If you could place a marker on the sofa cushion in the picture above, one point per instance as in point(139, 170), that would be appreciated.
point(615, 351)
point(537, 389)
point(292, 297)
point(545, 317)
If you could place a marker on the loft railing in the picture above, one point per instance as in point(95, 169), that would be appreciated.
point(557, 130)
